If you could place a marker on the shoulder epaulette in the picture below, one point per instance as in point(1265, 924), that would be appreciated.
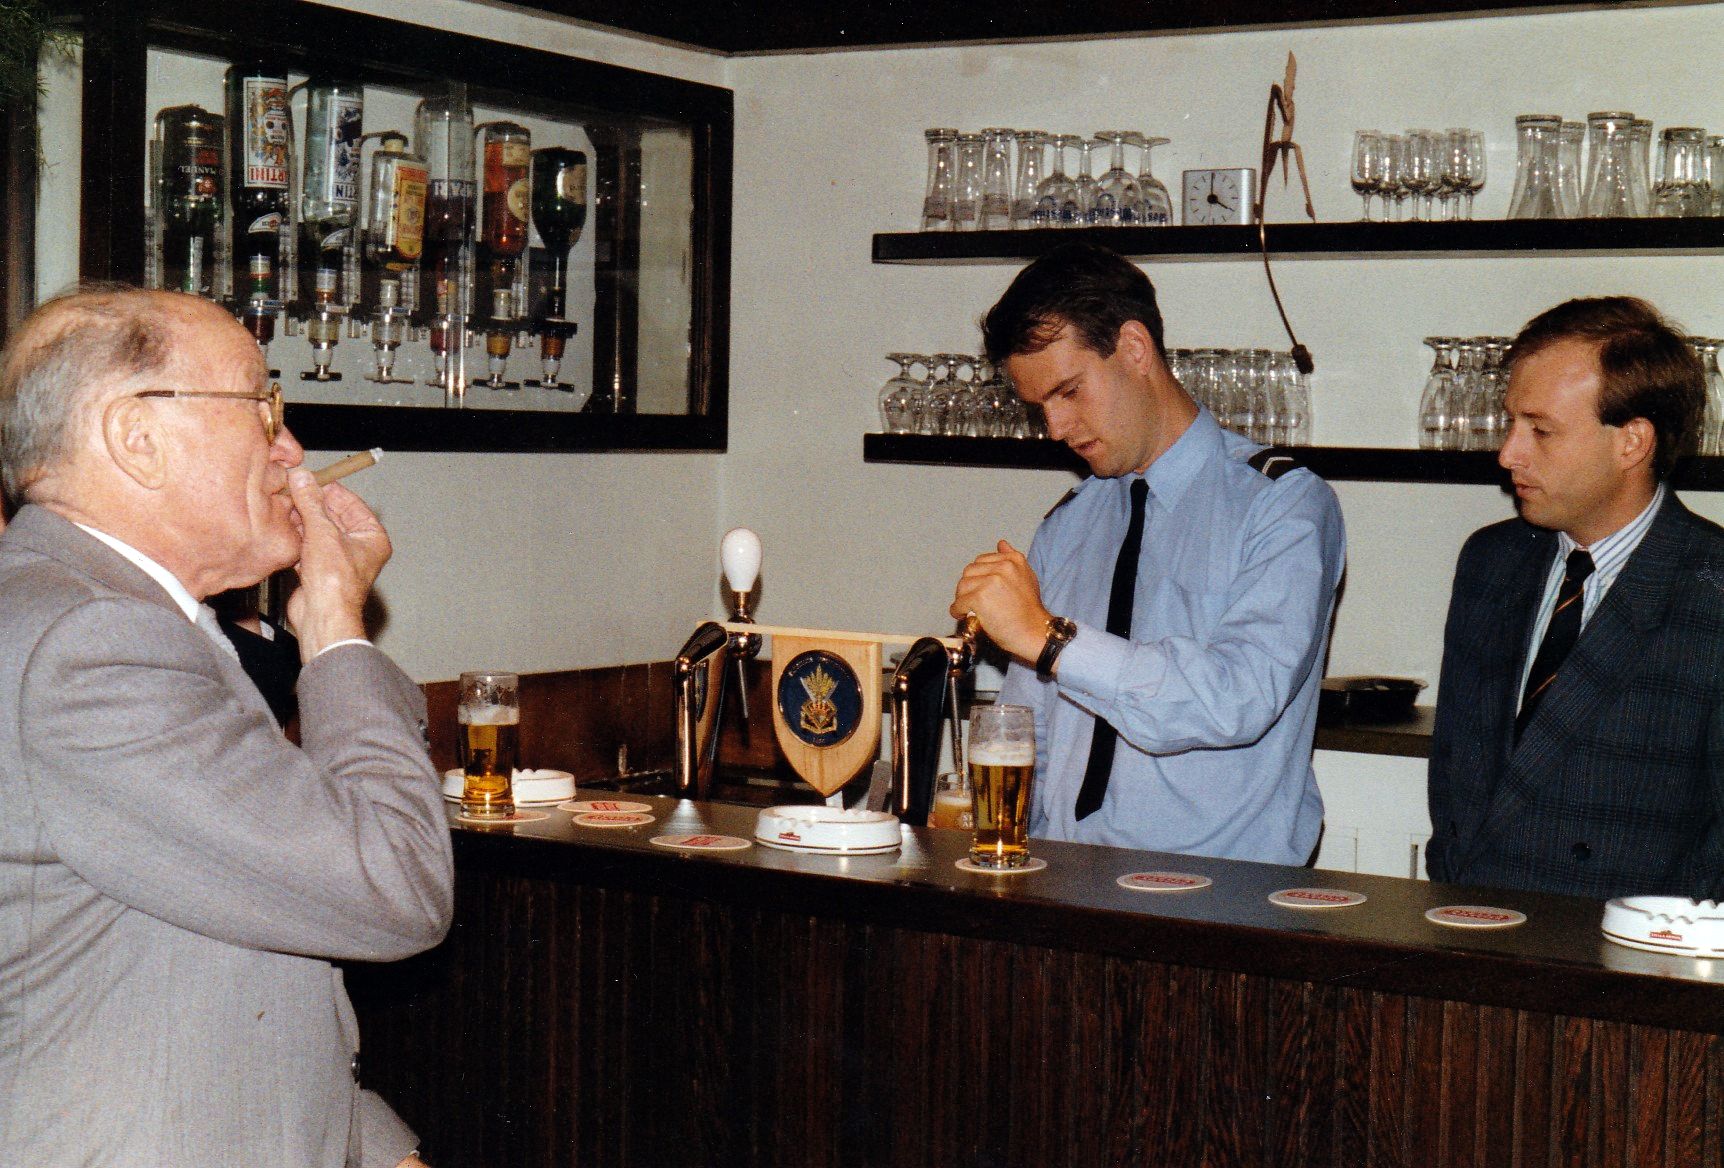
point(1064, 499)
point(1273, 462)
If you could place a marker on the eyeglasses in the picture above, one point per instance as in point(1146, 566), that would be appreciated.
point(271, 397)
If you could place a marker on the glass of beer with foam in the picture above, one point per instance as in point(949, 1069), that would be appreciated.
point(1002, 767)
point(490, 742)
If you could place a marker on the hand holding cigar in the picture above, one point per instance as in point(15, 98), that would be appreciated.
point(343, 467)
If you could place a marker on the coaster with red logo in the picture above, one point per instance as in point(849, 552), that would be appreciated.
point(701, 843)
point(1163, 882)
point(1316, 898)
point(516, 816)
point(613, 819)
point(591, 806)
point(1474, 916)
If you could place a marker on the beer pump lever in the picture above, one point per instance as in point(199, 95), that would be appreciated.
point(701, 670)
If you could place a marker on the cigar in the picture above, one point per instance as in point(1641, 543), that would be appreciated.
point(343, 467)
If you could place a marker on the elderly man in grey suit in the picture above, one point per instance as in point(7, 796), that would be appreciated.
point(1579, 743)
point(175, 876)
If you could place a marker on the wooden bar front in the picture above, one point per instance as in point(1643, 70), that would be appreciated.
point(601, 1001)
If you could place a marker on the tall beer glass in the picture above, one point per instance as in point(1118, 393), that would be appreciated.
point(1002, 767)
point(490, 742)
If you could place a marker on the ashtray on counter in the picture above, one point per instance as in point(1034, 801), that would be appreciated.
point(1367, 699)
point(1666, 924)
point(814, 827)
point(530, 786)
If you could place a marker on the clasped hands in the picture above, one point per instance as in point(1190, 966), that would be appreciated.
point(1002, 590)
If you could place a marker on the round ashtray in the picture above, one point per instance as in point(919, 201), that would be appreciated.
point(1666, 924)
point(530, 786)
point(817, 828)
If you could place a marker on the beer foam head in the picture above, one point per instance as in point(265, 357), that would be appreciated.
point(1003, 754)
point(489, 716)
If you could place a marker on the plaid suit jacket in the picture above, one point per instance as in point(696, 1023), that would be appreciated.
point(1616, 787)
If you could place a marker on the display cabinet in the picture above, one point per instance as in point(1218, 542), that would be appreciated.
point(446, 243)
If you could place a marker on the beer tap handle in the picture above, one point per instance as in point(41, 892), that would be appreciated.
point(739, 554)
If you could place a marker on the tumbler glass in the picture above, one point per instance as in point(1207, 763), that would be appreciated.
point(489, 712)
point(937, 202)
point(996, 179)
point(1002, 757)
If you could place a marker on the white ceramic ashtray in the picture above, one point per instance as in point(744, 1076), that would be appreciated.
point(530, 786)
point(1666, 924)
point(817, 828)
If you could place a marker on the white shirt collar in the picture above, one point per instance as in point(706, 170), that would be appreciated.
point(187, 602)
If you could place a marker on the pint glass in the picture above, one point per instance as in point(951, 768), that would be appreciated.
point(490, 742)
point(1002, 767)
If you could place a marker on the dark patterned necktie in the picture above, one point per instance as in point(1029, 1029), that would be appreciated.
point(1119, 604)
point(1559, 636)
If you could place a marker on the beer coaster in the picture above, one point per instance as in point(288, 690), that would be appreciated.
point(700, 843)
point(1474, 916)
point(1033, 864)
point(589, 806)
point(613, 819)
point(503, 820)
point(1316, 898)
point(1163, 882)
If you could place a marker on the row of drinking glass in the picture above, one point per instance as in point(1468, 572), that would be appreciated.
point(971, 185)
point(1602, 169)
point(1255, 392)
point(1442, 166)
point(1462, 404)
point(975, 404)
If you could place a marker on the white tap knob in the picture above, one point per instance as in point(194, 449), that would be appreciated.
point(739, 552)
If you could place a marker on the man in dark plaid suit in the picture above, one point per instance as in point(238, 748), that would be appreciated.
point(1579, 743)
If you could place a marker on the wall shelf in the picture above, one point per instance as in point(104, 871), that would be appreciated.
point(1479, 238)
point(1384, 464)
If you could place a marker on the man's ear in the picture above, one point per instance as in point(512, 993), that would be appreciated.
point(1637, 441)
point(1135, 343)
point(131, 434)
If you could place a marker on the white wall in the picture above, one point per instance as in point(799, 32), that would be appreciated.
point(829, 151)
point(594, 559)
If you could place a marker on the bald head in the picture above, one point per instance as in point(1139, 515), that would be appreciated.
point(73, 354)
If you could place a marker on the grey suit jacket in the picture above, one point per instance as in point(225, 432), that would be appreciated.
point(1617, 785)
point(175, 877)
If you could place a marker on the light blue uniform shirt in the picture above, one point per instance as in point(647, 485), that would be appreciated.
point(1214, 694)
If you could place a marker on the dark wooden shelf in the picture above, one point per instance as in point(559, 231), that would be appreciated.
point(1384, 464)
point(1474, 238)
point(1408, 739)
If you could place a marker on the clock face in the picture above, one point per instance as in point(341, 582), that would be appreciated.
point(1217, 196)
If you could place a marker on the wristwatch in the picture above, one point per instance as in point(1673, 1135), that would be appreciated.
point(1060, 634)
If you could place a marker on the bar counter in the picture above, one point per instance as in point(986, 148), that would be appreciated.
point(602, 1000)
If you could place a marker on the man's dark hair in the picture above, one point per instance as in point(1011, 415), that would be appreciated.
point(1648, 369)
point(1087, 288)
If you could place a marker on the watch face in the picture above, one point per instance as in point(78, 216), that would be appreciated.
point(1216, 196)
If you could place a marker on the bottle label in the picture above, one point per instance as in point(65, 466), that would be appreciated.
point(260, 268)
point(572, 183)
point(514, 153)
point(199, 170)
point(326, 280)
point(345, 115)
point(268, 129)
point(336, 240)
point(406, 227)
point(517, 199)
point(265, 224)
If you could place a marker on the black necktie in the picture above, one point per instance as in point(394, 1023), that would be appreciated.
point(1559, 636)
point(1119, 603)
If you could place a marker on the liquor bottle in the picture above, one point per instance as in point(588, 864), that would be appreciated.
point(443, 135)
point(188, 193)
point(395, 217)
point(260, 132)
point(559, 213)
point(508, 154)
point(329, 192)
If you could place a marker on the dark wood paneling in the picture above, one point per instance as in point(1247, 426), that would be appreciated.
point(568, 1021)
point(765, 26)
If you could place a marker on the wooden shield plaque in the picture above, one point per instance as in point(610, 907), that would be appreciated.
point(826, 705)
